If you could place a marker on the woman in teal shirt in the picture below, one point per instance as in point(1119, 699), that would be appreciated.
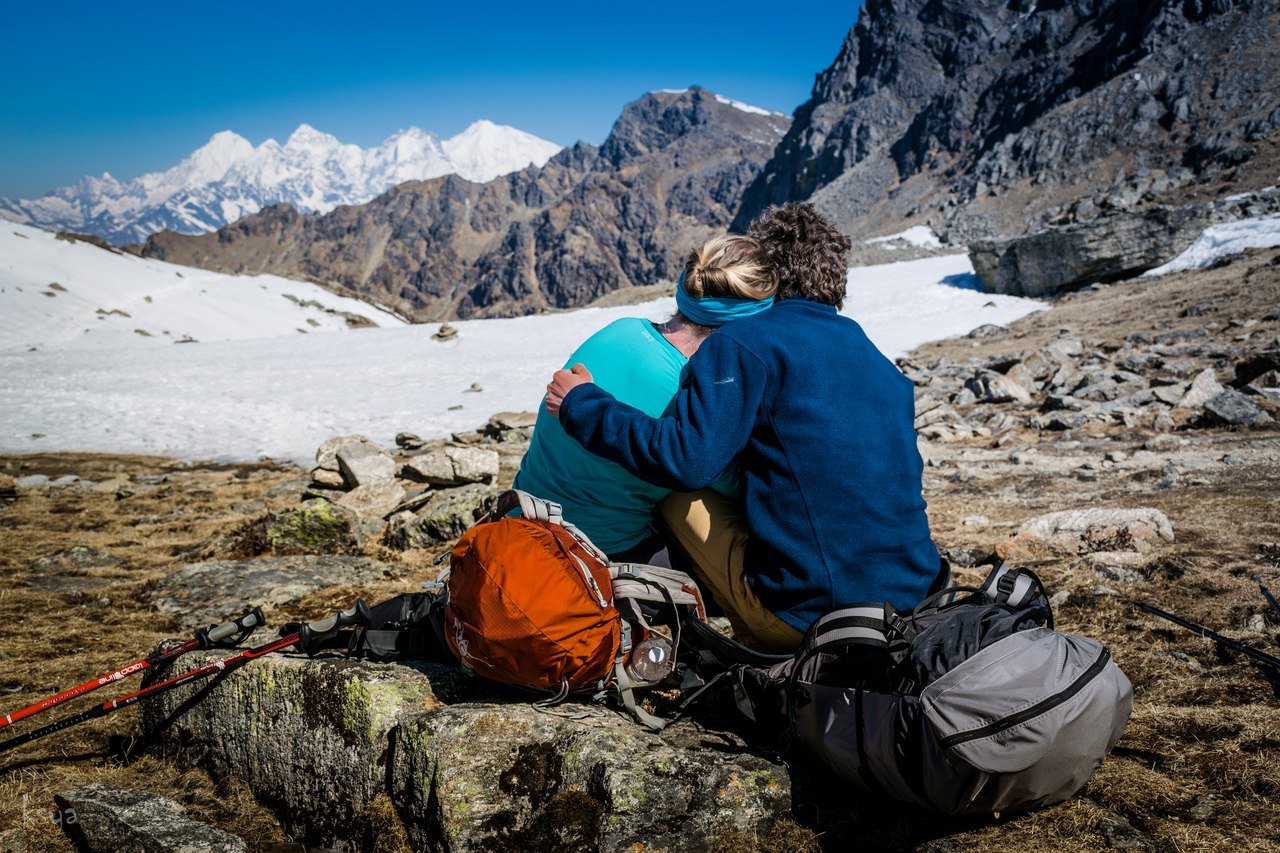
point(641, 364)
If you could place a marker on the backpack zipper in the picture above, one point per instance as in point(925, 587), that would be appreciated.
point(586, 573)
point(1035, 710)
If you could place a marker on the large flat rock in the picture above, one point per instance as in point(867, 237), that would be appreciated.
point(326, 742)
point(202, 594)
point(485, 777)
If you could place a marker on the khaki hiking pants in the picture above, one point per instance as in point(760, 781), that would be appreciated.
point(712, 530)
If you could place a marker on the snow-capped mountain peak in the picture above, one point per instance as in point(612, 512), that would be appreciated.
point(228, 178)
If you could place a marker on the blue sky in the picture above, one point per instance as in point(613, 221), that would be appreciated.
point(129, 87)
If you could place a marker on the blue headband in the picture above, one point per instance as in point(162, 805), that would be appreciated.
point(710, 311)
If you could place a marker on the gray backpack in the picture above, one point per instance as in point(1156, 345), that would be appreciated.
point(967, 705)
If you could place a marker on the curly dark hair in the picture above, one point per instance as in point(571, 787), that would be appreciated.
point(809, 253)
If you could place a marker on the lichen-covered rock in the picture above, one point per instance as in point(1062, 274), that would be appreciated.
point(103, 818)
point(1086, 531)
point(446, 516)
point(474, 777)
point(206, 593)
point(317, 526)
point(454, 466)
point(310, 736)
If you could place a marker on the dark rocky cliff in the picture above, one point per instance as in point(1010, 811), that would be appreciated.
point(989, 117)
point(590, 222)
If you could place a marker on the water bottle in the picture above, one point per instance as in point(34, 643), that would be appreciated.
point(650, 662)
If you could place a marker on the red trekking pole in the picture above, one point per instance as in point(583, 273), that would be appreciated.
point(226, 635)
point(307, 635)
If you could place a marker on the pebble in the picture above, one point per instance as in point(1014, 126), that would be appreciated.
point(975, 521)
point(1233, 459)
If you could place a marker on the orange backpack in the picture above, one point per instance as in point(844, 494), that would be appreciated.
point(531, 602)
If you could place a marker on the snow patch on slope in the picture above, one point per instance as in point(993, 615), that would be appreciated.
point(747, 108)
point(1228, 238)
point(282, 396)
point(918, 235)
point(56, 295)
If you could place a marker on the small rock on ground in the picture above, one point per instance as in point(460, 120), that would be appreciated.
point(104, 818)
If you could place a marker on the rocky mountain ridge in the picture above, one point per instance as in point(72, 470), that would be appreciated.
point(589, 222)
point(989, 118)
point(228, 178)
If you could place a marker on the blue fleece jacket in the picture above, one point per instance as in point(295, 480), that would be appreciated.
point(821, 425)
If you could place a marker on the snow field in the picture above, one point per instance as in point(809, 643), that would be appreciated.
point(282, 396)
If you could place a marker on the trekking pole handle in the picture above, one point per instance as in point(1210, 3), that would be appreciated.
point(238, 628)
point(322, 629)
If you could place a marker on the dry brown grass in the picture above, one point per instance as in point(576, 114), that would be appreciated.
point(1197, 770)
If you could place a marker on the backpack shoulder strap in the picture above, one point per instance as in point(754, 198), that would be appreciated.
point(1014, 587)
point(535, 508)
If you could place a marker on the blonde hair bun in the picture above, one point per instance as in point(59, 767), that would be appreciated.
point(729, 267)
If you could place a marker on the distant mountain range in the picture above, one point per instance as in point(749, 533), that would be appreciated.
point(228, 178)
point(589, 222)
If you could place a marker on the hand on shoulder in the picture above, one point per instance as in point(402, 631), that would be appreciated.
point(562, 382)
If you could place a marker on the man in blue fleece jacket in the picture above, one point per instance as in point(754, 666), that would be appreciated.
point(821, 426)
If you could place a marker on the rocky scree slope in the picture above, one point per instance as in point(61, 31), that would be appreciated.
point(591, 221)
point(996, 117)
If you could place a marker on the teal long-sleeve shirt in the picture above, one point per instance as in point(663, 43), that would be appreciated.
point(821, 426)
point(632, 360)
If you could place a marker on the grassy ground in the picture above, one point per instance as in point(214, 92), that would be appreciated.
point(1197, 769)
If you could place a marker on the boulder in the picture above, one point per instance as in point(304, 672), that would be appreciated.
point(991, 387)
point(1235, 409)
point(1202, 389)
point(327, 453)
point(1256, 365)
point(447, 515)
point(1086, 531)
point(1110, 248)
point(317, 526)
point(364, 463)
point(327, 740)
point(1171, 394)
point(103, 818)
point(510, 426)
point(454, 466)
point(1266, 385)
point(510, 777)
point(375, 500)
point(988, 330)
point(309, 736)
point(936, 414)
point(206, 593)
point(1062, 350)
point(326, 477)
